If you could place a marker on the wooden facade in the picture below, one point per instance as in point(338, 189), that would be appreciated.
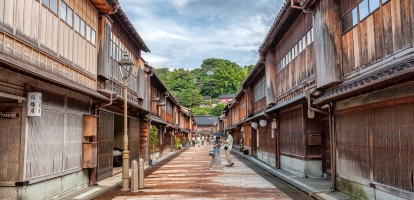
point(338, 95)
point(67, 50)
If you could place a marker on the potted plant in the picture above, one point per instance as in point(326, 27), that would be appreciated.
point(153, 140)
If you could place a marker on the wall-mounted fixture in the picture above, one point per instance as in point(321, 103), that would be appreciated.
point(263, 123)
point(254, 125)
point(242, 129)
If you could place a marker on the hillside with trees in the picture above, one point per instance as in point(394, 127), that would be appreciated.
point(214, 77)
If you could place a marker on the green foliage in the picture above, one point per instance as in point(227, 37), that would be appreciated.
point(177, 143)
point(201, 111)
point(216, 110)
point(153, 138)
point(215, 76)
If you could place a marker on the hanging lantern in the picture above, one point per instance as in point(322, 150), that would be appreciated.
point(254, 125)
point(263, 123)
point(242, 129)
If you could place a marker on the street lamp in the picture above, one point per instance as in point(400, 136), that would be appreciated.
point(125, 66)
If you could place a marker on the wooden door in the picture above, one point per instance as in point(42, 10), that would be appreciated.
point(254, 142)
point(105, 145)
point(326, 156)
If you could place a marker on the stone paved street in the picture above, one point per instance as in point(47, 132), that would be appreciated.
point(187, 177)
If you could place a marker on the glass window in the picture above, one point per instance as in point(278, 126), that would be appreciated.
point(293, 52)
point(54, 6)
point(349, 20)
point(77, 23)
point(82, 28)
point(88, 33)
point(46, 3)
point(363, 10)
point(384, 1)
point(304, 42)
point(69, 17)
point(297, 49)
point(309, 37)
point(63, 10)
point(373, 5)
point(93, 37)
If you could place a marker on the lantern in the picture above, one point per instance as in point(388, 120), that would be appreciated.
point(263, 123)
point(254, 125)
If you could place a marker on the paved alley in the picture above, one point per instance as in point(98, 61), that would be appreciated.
point(187, 176)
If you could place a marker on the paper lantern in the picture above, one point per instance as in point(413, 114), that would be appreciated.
point(242, 129)
point(263, 123)
point(254, 125)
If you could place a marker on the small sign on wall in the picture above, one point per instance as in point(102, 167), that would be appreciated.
point(273, 133)
point(9, 115)
point(34, 103)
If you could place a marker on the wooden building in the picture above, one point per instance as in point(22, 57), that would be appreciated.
point(171, 119)
point(206, 125)
point(116, 36)
point(50, 48)
point(371, 94)
point(338, 94)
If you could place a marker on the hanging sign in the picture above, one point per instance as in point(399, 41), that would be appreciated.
point(34, 102)
point(273, 133)
point(9, 115)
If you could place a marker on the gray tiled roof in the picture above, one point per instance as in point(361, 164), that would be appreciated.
point(226, 96)
point(206, 98)
point(205, 120)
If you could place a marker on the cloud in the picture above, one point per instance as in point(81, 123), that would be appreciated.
point(182, 33)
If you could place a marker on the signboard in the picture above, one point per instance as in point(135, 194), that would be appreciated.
point(34, 102)
point(273, 133)
point(9, 115)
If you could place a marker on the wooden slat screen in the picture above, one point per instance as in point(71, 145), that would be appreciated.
point(45, 144)
point(266, 142)
point(105, 144)
point(291, 132)
point(353, 143)
point(393, 135)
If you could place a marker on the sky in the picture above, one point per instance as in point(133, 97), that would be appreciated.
point(183, 33)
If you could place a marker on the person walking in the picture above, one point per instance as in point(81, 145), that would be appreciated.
point(216, 159)
point(229, 145)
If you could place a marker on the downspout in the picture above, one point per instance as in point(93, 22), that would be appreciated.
point(292, 5)
point(115, 10)
point(112, 98)
point(331, 132)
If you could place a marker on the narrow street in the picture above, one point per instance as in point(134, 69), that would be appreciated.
point(187, 176)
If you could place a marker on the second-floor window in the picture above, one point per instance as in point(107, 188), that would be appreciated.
point(300, 46)
point(169, 108)
point(118, 48)
point(359, 13)
point(66, 13)
point(51, 4)
point(259, 89)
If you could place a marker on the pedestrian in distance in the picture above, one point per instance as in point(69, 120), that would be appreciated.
point(216, 159)
point(229, 145)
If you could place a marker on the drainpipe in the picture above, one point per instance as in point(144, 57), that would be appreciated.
point(115, 10)
point(332, 135)
point(112, 98)
point(292, 5)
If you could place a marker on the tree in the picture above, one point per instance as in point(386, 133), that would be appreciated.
point(203, 111)
point(216, 110)
point(153, 138)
